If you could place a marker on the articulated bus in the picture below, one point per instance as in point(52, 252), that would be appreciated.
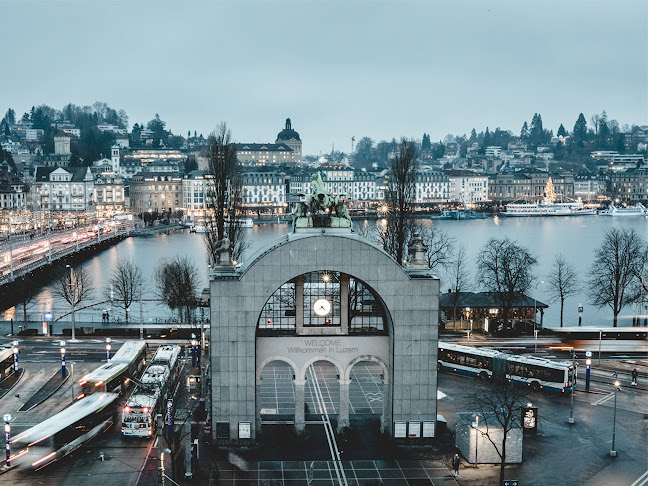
point(537, 373)
point(66, 431)
point(159, 381)
point(115, 375)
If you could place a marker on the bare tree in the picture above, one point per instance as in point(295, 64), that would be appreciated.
point(563, 282)
point(126, 281)
point(25, 291)
point(613, 278)
point(459, 278)
point(504, 268)
point(400, 196)
point(224, 196)
point(177, 284)
point(499, 403)
point(74, 285)
point(439, 244)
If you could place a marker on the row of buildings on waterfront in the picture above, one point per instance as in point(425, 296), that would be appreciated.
point(153, 180)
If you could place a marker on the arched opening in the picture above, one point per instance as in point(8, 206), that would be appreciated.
point(367, 379)
point(276, 390)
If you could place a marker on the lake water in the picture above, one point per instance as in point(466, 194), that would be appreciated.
point(574, 237)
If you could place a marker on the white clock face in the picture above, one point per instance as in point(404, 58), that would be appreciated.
point(322, 307)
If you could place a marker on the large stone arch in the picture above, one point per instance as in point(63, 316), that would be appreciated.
point(333, 361)
point(367, 357)
point(270, 359)
point(238, 293)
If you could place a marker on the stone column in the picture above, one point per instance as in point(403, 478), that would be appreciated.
point(386, 406)
point(257, 409)
point(299, 305)
point(344, 303)
point(300, 417)
point(343, 416)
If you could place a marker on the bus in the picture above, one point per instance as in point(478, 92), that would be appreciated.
point(536, 373)
point(158, 382)
point(6, 362)
point(114, 376)
point(63, 433)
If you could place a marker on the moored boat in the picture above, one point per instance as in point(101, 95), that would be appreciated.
point(636, 210)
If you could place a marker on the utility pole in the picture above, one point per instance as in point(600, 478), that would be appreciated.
point(10, 253)
point(141, 316)
point(571, 408)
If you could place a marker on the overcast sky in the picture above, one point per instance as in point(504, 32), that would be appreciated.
point(337, 68)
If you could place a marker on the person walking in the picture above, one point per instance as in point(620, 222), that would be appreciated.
point(455, 465)
point(635, 375)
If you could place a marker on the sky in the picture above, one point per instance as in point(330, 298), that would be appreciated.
point(337, 68)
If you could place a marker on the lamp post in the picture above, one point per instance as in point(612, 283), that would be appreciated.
point(476, 427)
point(571, 407)
point(535, 341)
point(193, 350)
point(7, 421)
point(108, 347)
point(11, 273)
point(468, 331)
point(73, 297)
point(15, 354)
point(63, 370)
point(617, 387)
point(72, 380)
point(535, 305)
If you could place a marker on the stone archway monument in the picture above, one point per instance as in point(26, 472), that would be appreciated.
point(324, 293)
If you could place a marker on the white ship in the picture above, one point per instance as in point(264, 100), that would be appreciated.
point(548, 208)
point(636, 210)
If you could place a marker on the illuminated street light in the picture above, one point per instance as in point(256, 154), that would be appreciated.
point(15, 354)
point(7, 420)
point(617, 387)
point(108, 347)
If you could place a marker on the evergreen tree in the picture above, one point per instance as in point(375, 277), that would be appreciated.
point(580, 129)
point(536, 132)
point(524, 133)
point(561, 131)
point(10, 117)
point(487, 139)
point(603, 130)
point(473, 136)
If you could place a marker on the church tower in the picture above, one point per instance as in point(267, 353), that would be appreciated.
point(114, 158)
point(291, 138)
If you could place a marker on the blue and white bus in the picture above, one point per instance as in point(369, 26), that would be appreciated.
point(536, 373)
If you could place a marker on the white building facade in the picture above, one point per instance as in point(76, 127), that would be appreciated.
point(69, 189)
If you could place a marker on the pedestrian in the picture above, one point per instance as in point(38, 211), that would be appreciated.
point(455, 465)
point(635, 375)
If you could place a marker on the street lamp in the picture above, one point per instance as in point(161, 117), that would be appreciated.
point(573, 385)
point(476, 427)
point(617, 387)
point(7, 421)
point(193, 350)
point(468, 320)
point(535, 310)
point(108, 349)
point(63, 370)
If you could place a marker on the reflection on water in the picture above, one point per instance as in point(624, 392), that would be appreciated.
point(574, 237)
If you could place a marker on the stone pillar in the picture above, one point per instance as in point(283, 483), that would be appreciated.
point(344, 303)
point(300, 417)
point(386, 405)
point(299, 305)
point(257, 409)
point(343, 416)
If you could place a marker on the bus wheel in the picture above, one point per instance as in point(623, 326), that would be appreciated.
point(483, 375)
point(535, 386)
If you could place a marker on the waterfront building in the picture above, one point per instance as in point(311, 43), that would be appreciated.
point(155, 192)
point(362, 189)
point(12, 192)
point(467, 186)
point(260, 154)
point(109, 194)
point(432, 186)
point(195, 188)
point(589, 187)
point(509, 186)
point(264, 192)
point(630, 185)
point(148, 155)
point(64, 189)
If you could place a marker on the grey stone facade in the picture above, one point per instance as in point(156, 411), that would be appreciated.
point(238, 294)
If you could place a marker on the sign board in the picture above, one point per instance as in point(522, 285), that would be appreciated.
point(580, 308)
point(414, 430)
point(48, 316)
point(530, 420)
point(588, 354)
point(245, 429)
point(400, 430)
point(510, 482)
point(428, 429)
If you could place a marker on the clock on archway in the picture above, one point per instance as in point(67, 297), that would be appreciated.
point(322, 307)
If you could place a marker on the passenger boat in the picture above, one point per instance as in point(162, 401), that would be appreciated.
point(546, 207)
point(636, 210)
point(458, 214)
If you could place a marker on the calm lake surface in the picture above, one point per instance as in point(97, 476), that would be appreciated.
point(574, 237)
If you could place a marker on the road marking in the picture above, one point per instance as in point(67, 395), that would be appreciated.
point(643, 479)
point(604, 399)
